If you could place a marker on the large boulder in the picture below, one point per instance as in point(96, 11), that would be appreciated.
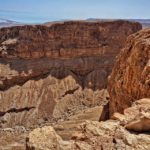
point(130, 78)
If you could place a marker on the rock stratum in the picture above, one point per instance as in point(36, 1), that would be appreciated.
point(49, 73)
point(130, 78)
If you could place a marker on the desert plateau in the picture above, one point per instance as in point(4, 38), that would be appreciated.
point(74, 84)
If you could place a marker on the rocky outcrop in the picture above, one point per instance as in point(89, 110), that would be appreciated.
point(137, 117)
point(94, 135)
point(46, 73)
point(66, 129)
point(46, 139)
point(130, 78)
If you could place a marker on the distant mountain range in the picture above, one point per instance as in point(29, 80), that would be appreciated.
point(145, 22)
point(8, 23)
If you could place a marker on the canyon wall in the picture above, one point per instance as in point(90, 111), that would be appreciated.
point(48, 73)
point(130, 78)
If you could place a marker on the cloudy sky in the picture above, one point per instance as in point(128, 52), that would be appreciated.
point(36, 11)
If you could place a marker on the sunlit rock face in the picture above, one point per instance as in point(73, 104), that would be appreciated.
point(46, 73)
point(130, 78)
point(93, 135)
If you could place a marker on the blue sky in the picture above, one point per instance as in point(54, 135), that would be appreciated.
point(36, 11)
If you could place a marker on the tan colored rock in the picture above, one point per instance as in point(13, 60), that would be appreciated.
point(130, 78)
point(11, 139)
point(9, 42)
point(119, 117)
point(38, 101)
point(137, 117)
point(93, 136)
point(71, 127)
point(110, 135)
point(76, 102)
point(143, 124)
point(46, 139)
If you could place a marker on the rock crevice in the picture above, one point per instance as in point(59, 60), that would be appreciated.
point(15, 110)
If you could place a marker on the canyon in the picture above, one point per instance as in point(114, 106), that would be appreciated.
point(75, 85)
point(47, 73)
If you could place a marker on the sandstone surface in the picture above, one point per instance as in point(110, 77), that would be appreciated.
point(130, 78)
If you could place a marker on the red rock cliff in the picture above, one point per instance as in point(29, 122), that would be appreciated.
point(130, 78)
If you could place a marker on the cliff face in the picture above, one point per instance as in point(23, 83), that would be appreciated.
point(130, 78)
point(69, 39)
point(47, 72)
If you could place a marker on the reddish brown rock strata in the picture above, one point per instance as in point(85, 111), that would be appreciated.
point(65, 64)
point(130, 78)
point(69, 39)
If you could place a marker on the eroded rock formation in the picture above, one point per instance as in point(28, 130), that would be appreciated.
point(130, 78)
point(50, 72)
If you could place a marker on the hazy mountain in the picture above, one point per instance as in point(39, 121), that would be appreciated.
point(145, 22)
point(8, 23)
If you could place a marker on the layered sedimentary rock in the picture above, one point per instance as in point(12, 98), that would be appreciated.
point(130, 78)
point(69, 39)
point(50, 72)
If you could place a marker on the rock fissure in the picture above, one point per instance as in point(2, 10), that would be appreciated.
point(16, 110)
point(70, 92)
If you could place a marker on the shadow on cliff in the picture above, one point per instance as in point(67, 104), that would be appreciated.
point(86, 76)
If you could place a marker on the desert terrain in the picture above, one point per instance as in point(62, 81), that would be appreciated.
point(75, 85)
